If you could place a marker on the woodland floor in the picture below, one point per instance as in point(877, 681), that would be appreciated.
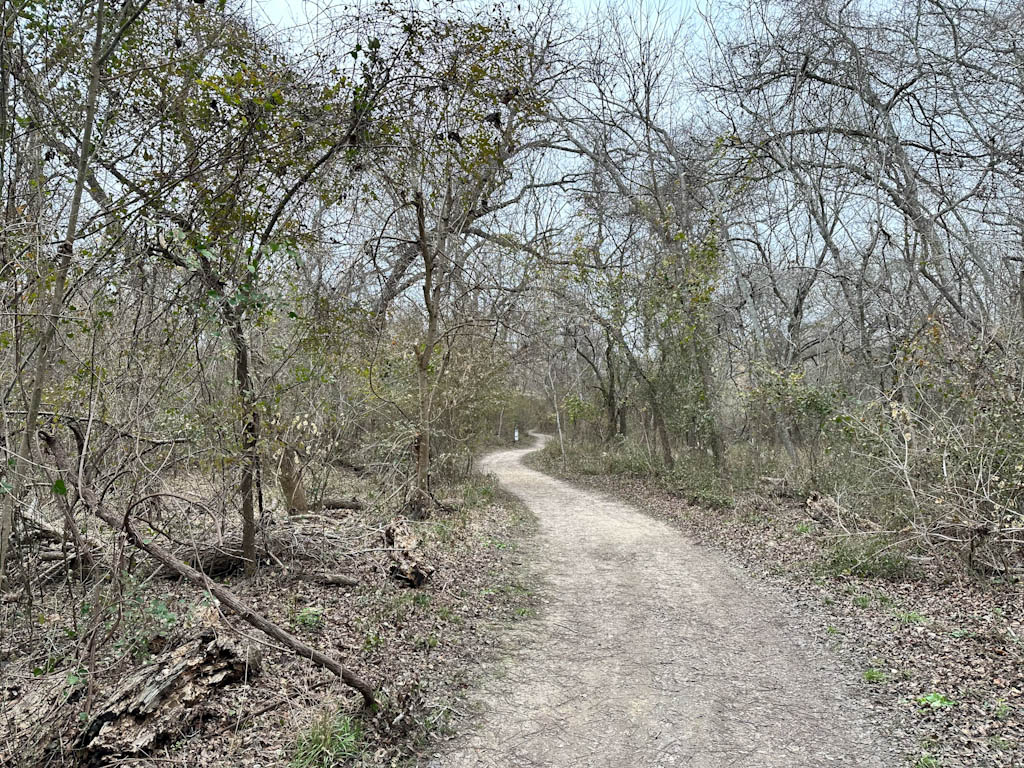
point(742, 649)
point(421, 647)
point(936, 655)
point(653, 651)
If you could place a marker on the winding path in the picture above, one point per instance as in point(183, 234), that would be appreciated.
point(654, 652)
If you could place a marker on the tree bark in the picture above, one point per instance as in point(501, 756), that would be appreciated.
point(661, 430)
point(290, 477)
point(707, 383)
point(611, 394)
point(250, 438)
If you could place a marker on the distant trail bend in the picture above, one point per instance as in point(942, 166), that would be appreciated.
point(654, 652)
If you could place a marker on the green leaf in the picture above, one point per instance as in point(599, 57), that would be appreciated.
point(59, 488)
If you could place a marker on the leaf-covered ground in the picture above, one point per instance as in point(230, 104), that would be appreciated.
point(421, 647)
point(940, 654)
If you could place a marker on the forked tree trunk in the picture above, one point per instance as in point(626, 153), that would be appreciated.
point(421, 500)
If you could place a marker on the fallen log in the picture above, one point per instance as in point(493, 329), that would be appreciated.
point(282, 544)
point(337, 580)
point(52, 555)
point(341, 504)
point(221, 559)
point(358, 469)
point(224, 595)
point(155, 704)
point(45, 530)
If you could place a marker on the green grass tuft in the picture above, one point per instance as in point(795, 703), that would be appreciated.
point(873, 675)
point(329, 740)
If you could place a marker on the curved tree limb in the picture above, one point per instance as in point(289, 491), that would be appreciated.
point(224, 595)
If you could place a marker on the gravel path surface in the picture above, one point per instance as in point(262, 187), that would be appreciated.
point(654, 652)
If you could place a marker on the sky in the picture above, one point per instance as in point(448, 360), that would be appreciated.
point(288, 13)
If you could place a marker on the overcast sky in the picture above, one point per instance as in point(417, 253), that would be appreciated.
point(290, 13)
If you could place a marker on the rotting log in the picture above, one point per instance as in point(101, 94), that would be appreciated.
point(77, 553)
point(224, 595)
point(225, 557)
point(49, 532)
point(81, 546)
point(53, 555)
point(154, 704)
point(337, 580)
point(406, 565)
point(358, 469)
point(221, 559)
point(341, 504)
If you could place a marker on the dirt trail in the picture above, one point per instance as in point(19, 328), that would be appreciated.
point(654, 652)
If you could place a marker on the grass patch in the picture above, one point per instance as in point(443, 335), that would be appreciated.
point(873, 676)
point(330, 739)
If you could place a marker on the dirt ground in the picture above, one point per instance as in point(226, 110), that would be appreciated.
point(652, 651)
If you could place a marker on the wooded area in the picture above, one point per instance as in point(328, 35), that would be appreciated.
point(254, 281)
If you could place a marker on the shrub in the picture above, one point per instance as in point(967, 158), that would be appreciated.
point(870, 556)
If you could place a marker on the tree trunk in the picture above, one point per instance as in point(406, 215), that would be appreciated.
point(707, 382)
point(661, 430)
point(611, 398)
point(787, 441)
point(420, 503)
point(558, 417)
point(250, 439)
point(421, 500)
point(290, 477)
